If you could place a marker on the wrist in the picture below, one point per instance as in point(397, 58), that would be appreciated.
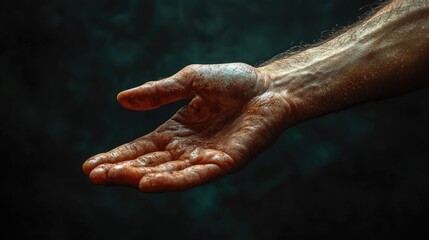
point(316, 81)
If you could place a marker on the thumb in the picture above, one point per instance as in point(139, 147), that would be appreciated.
point(156, 93)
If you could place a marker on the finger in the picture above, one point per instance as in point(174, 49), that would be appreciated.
point(178, 180)
point(221, 159)
point(156, 93)
point(124, 152)
point(148, 160)
point(127, 175)
point(117, 174)
point(99, 174)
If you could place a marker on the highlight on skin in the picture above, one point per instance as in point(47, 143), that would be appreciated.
point(237, 110)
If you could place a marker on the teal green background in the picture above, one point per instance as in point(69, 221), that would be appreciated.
point(358, 174)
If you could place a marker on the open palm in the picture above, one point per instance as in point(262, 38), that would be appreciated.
point(234, 114)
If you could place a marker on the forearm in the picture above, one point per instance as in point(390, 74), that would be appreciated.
point(386, 54)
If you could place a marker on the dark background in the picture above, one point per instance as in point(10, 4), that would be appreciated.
point(362, 173)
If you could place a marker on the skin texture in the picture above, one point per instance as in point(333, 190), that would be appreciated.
point(237, 110)
point(384, 55)
point(233, 107)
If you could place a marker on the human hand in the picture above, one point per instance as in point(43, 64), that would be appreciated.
point(235, 112)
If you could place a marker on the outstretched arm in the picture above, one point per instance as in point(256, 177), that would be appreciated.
point(236, 110)
point(383, 55)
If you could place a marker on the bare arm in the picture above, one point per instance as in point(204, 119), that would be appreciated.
point(237, 110)
point(385, 54)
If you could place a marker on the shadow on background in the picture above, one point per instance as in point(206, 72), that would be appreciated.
point(362, 173)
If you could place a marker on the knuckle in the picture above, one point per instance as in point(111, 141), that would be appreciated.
point(191, 69)
point(193, 66)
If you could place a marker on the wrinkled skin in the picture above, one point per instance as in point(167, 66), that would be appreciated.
point(234, 114)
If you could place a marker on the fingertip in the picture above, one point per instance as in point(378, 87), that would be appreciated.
point(99, 175)
point(87, 167)
point(125, 100)
point(92, 162)
point(153, 94)
point(138, 99)
point(120, 97)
